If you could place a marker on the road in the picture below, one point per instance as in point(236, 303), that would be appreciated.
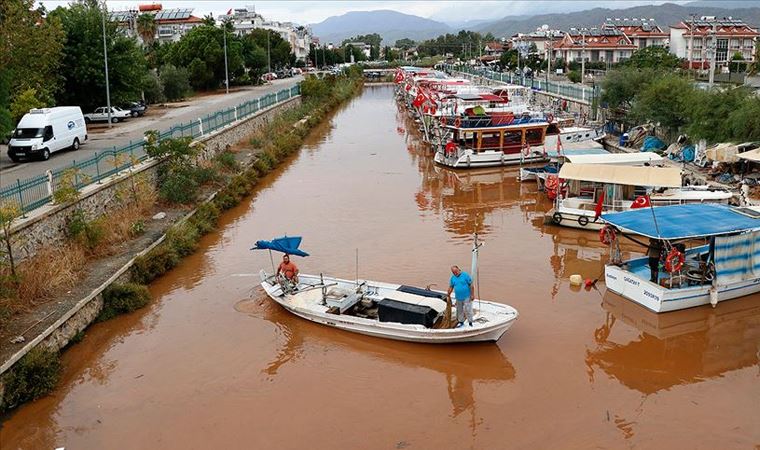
point(100, 137)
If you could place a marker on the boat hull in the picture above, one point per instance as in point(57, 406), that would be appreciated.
point(487, 159)
point(481, 332)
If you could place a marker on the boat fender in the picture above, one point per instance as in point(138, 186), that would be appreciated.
point(557, 218)
point(582, 221)
point(526, 149)
point(576, 280)
point(443, 121)
point(468, 160)
point(607, 235)
point(674, 261)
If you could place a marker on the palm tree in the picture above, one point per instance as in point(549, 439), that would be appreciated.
point(146, 28)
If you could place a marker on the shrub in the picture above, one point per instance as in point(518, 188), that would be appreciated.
point(123, 298)
point(88, 233)
point(227, 161)
point(183, 238)
point(156, 263)
point(179, 187)
point(176, 81)
point(574, 76)
point(153, 88)
point(206, 217)
point(32, 376)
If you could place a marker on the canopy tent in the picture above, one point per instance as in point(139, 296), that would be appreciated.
point(686, 221)
point(615, 158)
point(752, 155)
point(492, 98)
point(625, 175)
point(285, 244)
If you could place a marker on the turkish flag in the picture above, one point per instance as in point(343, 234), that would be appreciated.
point(642, 201)
point(419, 99)
point(599, 205)
point(399, 77)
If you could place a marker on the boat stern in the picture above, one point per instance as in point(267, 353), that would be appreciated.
point(635, 287)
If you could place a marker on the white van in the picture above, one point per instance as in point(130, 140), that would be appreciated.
point(43, 131)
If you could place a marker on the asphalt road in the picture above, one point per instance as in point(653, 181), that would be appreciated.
point(100, 137)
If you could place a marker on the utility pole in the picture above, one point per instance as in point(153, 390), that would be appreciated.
point(105, 61)
point(691, 43)
point(583, 55)
point(269, 55)
point(226, 72)
point(713, 51)
point(549, 51)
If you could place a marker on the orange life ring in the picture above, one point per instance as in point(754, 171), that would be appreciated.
point(443, 120)
point(674, 261)
point(458, 122)
point(549, 118)
point(607, 235)
point(552, 181)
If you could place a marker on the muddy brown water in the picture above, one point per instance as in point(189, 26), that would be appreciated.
point(211, 363)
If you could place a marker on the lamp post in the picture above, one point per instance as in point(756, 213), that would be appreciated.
point(226, 72)
point(105, 63)
point(583, 55)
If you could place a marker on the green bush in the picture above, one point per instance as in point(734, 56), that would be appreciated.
point(176, 81)
point(89, 233)
point(227, 161)
point(179, 187)
point(153, 88)
point(123, 298)
point(206, 217)
point(183, 238)
point(31, 377)
point(156, 263)
point(574, 76)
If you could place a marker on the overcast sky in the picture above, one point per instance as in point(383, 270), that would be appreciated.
point(304, 12)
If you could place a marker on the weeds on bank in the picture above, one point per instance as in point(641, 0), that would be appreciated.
point(122, 298)
point(32, 376)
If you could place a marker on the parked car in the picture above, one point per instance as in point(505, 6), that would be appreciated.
point(43, 131)
point(101, 115)
point(136, 109)
point(269, 76)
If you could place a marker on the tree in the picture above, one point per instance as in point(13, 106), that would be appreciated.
point(405, 43)
point(708, 112)
point(201, 51)
point(83, 62)
point(653, 58)
point(30, 54)
point(509, 59)
point(146, 28)
point(24, 102)
point(620, 86)
point(176, 82)
point(665, 100)
point(9, 212)
point(280, 53)
point(153, 88)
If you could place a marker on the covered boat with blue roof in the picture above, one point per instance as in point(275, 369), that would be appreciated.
point(703, 254)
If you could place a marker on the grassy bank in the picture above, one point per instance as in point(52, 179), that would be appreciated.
point(183, 179)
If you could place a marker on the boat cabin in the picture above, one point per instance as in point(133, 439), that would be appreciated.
point(508, 139)
point(709, 253)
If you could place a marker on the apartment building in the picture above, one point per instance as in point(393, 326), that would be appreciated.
point(693, 39)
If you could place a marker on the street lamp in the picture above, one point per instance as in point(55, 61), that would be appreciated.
point(105, 61)
point(226, 72)
point(583, 55)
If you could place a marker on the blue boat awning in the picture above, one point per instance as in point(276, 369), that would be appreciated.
point(685, 221)
point(285, 244)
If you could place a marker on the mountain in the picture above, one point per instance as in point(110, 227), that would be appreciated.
point(666, 14)
point(727, 4)
point(391, 25)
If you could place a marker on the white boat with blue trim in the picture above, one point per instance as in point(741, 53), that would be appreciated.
point(379, 309)
point(712, 251)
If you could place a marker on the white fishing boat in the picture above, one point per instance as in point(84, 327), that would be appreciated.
point(589, 156)
point(589, 190)
point(385, 310)
point(721, 263)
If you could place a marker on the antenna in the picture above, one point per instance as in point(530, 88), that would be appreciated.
point(357, 267)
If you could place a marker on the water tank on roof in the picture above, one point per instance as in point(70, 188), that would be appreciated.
point(151, 7)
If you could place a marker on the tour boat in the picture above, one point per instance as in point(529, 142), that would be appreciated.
point(721, 263)
point(385, 310)
point(588, 190)
point(589, 156)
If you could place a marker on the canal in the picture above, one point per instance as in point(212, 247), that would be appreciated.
point(212, 363)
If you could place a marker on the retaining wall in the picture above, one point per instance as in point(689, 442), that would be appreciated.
point(48, 225)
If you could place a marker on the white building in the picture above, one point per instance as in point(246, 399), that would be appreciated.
point(244, 20)
point(365, 48)
point(543, 38)
point(694, 39)
point(171, 24)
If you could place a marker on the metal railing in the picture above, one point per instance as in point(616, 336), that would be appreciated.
point(31, 193)
point(576, 92)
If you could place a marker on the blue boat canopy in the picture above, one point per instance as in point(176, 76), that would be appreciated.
point(686, 221)
point(285, 244)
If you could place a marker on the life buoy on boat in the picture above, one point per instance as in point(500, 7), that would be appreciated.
point(552, 181)
point(549, 118)
point(582, 221)
point(451, 148)
point(674, 261)
point(607, 235)
point(458, 122)
point(443, 120)
point(557, 218)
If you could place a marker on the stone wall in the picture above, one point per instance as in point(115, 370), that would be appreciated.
point(48, 225)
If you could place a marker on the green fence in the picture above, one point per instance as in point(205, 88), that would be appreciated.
point(572, 91)
point(34, 192)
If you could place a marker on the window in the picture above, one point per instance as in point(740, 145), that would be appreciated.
point(48, 133)
point(748, 43)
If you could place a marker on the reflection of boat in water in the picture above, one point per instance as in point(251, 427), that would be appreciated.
point(681, 347)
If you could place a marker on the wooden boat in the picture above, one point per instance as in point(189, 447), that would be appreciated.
point(386, 310)
point(720, 264)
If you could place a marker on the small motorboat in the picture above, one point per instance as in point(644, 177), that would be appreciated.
point(386, 310)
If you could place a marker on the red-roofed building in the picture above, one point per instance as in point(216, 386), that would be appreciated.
point(641, 32)
point(600, 44)
point(692, 40)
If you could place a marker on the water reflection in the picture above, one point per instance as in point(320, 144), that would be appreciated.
point(479, 363)
point(677, 348)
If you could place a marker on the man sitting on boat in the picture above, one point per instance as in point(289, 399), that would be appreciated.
point(461, 284)
point(288, 270)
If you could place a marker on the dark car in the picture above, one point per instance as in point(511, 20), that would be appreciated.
point(137, 109)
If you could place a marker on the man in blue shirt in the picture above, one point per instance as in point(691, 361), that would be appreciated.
point(461, 284)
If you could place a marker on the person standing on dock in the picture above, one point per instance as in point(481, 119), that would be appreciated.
point(461, 284)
